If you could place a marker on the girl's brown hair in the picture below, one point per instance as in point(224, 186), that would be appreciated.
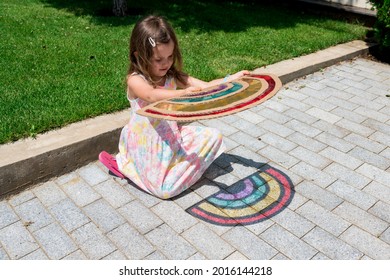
point(161, 32)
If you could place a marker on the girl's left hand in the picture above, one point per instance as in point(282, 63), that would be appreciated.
point(240, 74)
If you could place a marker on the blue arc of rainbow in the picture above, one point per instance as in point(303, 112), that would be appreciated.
point(252, 200)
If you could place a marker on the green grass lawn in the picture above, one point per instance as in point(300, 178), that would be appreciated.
point(65, 60)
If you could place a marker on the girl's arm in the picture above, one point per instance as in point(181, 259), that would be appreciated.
point(194, 82)
point(139, 88)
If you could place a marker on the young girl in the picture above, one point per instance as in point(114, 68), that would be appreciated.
point(163, 157)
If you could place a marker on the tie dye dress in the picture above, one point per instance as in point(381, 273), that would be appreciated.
point(163, 157)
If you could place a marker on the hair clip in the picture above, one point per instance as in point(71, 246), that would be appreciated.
point(152, 42)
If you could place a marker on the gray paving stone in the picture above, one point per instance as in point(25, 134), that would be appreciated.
point(331, 129)
point(34, 214)
point(331, 246)
point(225, 180)
point(380, 137)
point(81, 193)
point(349, 115)
point(318, 103)
point(293, 222)
point(378, 190)
point(369, 83)
point(354, 84)
point(374, 173)
point(288, 244)
point(139, 216)
point(207, 242)
point(8, 216)
point(76, 255)
point(353, 195)
point(280, 257)
point(341, 158)
point(236, 256)
point(204, 188)
point(310, 157)
point(307, 142)
point(241, 171)
point(248, 157)
point(251, 116)
point(224, 127)
point(278, 156)
point(147, 199)
point(3, 254)
point(319, 195)
point(248, 244)
point(347, 175)
point(275, 104)
point(268, 113)
point(342, 103)
point(155, 256)
point(67, 178)
point(319, 257)
point(92, 241)
point(92, 174)
point(103, 215)
point(313, 174)
point(335, 142)
point(323, 218)
point(361, 218)
point(371, 105)
point(49, 193)
point(364, 94)
point(300, 116)
point(297, 201)
point(379, 126)
point(381, 210)
point(170, 243)
point(278, 142)
point(55, 241)
point(386, 153)
point(230, 144)
point(17, 240)
point(20, 198)
point(385, 236)
point(36, 255)
point(197, 256)
point(188, 198)
point(365, 143)
point(243, 125)
point(366, 243)
point(178, 222)
point(373, 114)
point(294, 103)
point(130, 242)
point(323, 115)
point(68, 215)
point(355, 127)
point(370, 158)
point(116, 255)
point(113, 193)
point(316, 93)
point(276, 128)
point(303, 128)
point(247, 141)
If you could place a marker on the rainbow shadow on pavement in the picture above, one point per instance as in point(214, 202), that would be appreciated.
point(251, 200)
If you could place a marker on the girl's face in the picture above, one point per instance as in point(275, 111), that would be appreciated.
point(162, 59)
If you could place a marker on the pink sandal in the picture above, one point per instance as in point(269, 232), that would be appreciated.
point(110, 162)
